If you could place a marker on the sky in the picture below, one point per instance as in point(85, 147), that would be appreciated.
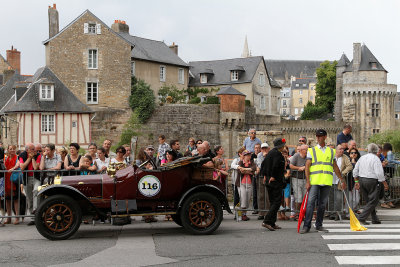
point(216, 29)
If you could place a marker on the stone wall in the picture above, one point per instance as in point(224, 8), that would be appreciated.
point(182, 121)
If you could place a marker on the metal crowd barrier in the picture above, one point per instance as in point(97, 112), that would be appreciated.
point(21, 200)
point(336, 205)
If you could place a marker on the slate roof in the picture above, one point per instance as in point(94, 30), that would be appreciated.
point(343, 61)
point(278, 68)
point(229, 90)
point(152, 50)
point(366, 59)
point(303, 83)
point(274, 83)
point(64, 99)
point(221, 70)
point(77, 18)
point(7, 90)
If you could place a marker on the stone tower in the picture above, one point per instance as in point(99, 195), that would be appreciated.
point(340, 68)
point(363, 93)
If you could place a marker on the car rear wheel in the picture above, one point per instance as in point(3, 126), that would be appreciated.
point(58, 217)
point(201, 213)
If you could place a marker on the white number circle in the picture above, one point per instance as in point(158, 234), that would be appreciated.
point(149, 185)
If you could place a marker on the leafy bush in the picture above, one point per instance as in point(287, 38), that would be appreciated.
point(195, 100)
point(247, 103)
point(130, 129)
point(212, 100)
point(390, 136)
point(142, 100)
point(312, 112)
point(192, 92)
point(171, 94)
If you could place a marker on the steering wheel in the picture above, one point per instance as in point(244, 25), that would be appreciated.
point(150, 159)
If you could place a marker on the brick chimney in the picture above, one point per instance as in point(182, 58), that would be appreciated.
point(7, 74)
point(356, 56)
point(53, 21)
point(120, 26)
point(14, 59)
point(174, 48)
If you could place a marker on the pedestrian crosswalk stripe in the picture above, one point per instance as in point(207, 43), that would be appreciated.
point(367, 231)
point(365, 246)
point(368, 260)
point(349, 237)
point(337, 225)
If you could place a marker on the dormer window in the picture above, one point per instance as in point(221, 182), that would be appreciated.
point(234, 75)
point(297, 85)
point(46, 92)
point(203, 78)
point(373, 65)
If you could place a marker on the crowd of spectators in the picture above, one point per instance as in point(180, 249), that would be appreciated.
point(262, 179)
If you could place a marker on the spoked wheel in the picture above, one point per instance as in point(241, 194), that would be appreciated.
point(201, 213)
point(58, 217)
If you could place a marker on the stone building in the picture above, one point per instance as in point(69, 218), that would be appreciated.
point(283, 71)
point(302, 91)
point(41, 109)
point(285, 102)
point(153, 61)
point(363, 94)
point(94, 62)
point(248, 75)
point(13, 62)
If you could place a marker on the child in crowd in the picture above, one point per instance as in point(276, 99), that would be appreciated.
point(87, 166)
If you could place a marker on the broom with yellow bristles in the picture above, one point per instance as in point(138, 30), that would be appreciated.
point(354, 223)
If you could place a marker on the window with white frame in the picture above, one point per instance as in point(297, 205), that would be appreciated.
point(301, 110)
point(262, 102)
point(163, 74)
point(181, 76)
point(300, 100)
point(92, 28)
point(234, 75)
point(48, 123)
point(311, 97)
point(92, 93)
point(396, 116)
point(296, 111)
point(203, 78)
point(284, 112)
point(261, 79)
point(284, 103)
point(92, 59)
point(301, 92)
point(133, 68)
point(46, 92)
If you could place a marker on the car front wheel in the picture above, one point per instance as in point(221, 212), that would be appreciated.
point(58, 217)
point(201, 213)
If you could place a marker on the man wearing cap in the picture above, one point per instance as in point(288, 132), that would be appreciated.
point(150, 151)
point(273, 170)
point(320, 166)
point(262, 196)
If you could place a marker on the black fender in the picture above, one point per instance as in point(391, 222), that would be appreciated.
point(86, 206)
point(210, 189)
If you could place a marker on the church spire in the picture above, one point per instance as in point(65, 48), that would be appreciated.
point(246, 52)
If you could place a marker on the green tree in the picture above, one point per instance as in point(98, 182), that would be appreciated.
point(312, 112)
point(177, 96)
point(326, 85)
point(390, 136)
point(141, 100)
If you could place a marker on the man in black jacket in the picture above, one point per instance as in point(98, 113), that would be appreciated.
point(273, 170)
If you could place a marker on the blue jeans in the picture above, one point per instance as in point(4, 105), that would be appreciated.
point(317, 193)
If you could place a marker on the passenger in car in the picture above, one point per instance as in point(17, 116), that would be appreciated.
point(170, 156)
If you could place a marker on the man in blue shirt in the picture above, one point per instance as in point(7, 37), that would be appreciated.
point(345, 135)
point(251, 140)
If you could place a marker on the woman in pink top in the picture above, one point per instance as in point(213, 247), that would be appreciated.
point(247, 168)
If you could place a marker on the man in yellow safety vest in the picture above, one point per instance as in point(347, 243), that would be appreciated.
point(320, 166)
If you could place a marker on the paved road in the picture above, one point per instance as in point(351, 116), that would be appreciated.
point(233, 244)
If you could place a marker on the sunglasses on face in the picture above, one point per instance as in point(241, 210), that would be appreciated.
point(301, 140)
point(252, 133)
point(199, 143)
point(353, 152)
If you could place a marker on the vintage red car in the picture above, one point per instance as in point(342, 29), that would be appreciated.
point(183, 189)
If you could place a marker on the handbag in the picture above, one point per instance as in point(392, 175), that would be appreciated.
point(17, 177)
